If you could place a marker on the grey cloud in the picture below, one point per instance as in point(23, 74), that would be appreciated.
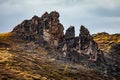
point(100, 11)
point(91, 13)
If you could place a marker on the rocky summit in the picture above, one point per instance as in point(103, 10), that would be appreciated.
point(48, 28)
point(38, 49)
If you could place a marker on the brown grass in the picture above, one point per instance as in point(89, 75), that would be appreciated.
point(17, 64)
point(105, 41)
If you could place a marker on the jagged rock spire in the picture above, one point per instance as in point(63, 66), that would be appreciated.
point(84, 30)
point(87, 45)
point(70, 33)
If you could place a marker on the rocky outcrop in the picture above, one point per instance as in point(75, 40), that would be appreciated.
point(53, 31)
point(86, 44)
point(47, 28)
point(81, 48)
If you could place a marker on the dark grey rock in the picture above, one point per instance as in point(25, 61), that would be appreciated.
point(70, 33)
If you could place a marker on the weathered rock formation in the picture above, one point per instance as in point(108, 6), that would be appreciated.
point(49, 29)
point(53, 31)
point(86, 43)
point(75, 48)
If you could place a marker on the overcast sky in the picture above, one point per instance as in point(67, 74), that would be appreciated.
point(96, 15)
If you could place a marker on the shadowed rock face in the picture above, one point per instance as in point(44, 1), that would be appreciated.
point(85, 38)
point(115, 53)
point(70, 33)
point(86, 43)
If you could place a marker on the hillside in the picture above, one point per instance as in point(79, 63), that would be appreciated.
point(37, 64)
point(105, 40)
point(38, 49)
